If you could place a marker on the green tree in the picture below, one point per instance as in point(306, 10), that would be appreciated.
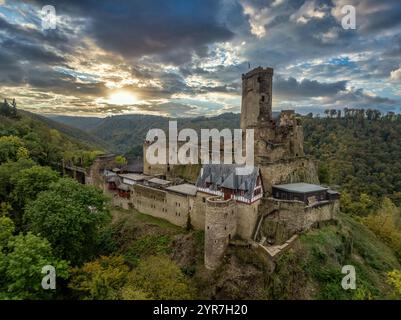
point(70, 216)
point(23, 265)
point(366, 203)
point(129, 293)
point(89, 156)
point(28, 183)
point(160, 278)
point(346, 203)
point(7, 171)
point(120, 160)
point(7, 229)
point(101, 279)
point(22, 258)
point(384, 225)
point(394, 279)
point(9, 147)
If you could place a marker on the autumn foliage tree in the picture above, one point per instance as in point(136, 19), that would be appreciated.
point(101, 279)
point(386, 225)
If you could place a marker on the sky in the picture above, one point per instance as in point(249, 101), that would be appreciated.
point(184, 58)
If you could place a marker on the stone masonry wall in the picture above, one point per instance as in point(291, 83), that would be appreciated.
point(287, 218)
point(198, 211)
point(220, 227)
point(288, 171)
point(161, 204)
point(247, 217)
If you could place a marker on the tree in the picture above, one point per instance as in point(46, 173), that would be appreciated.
point(70, 216)
point(89, 156)
point(101, 279)
point(23, 267)
point(22, 258)
point(160, 278)
point(7, 171)
point(7, 229)
point(120, 160)
point(394, 279)
point(366, 204)
point(129, 293)
point(28, 183)
point(346, 203)
point(384, 225)
point(10, 148)
point(8, 110)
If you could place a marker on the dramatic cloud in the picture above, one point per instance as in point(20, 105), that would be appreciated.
point(372, 16)
point(185, 58)
point(396, 74)
point(306, 88)
point(307, 12)
point(258, 19)
point(171, 30)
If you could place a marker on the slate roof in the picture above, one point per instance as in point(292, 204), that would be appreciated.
point(185, 188)
point(300, 187)
point(224, 175)
point(159, 181)
point(134, 166)
point(134, 176)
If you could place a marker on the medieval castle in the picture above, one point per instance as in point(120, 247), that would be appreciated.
point(264, 209)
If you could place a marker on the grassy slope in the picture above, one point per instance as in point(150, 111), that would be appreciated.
point(312, 270)
point(315, 265)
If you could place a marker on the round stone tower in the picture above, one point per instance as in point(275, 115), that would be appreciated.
point(220, 227)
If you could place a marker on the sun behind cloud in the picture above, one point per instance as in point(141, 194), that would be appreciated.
point(122, 98)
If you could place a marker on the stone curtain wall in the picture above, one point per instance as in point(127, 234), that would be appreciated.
point(161, 204)
point(285, 218)
point(247, 217)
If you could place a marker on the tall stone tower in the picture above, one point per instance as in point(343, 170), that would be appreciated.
point(220, 227)
point(256, 97)
point(278, 139)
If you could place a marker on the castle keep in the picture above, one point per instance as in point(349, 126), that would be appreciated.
point(264, 209)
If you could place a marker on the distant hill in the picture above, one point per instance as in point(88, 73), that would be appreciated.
point(127, 132)
point(47, 142)
point(73, 132)
point(82, 123)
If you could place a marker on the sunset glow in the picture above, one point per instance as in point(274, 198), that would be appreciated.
point(122, 98)
point(99, 60)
